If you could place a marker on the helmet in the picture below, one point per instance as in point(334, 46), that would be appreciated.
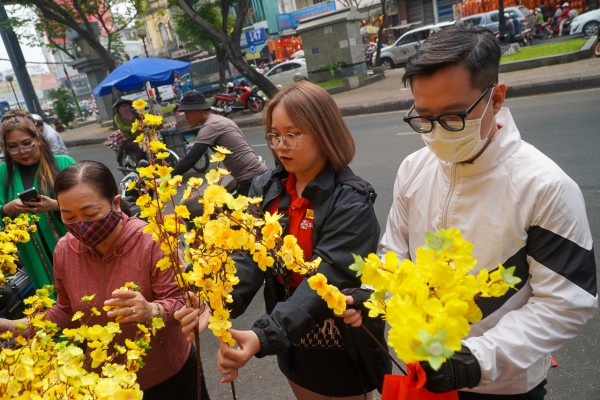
point(229, 85)
point(565, 4)
point(37, 118)
point(506, 15)
point(538, 9)
point(121, 101)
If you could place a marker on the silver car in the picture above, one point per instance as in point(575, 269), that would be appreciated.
point(491, 19)
point(398, 53)
point(283, 74)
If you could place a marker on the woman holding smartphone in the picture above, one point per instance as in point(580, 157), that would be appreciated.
point(29, 164)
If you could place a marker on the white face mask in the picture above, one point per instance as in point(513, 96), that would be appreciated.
point(457, 146)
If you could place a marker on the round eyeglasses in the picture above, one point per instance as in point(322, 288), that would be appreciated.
point(23, 149)
point(290, 140)
point(454, 122)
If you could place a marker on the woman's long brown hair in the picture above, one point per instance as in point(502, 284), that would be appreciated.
point(48, 168)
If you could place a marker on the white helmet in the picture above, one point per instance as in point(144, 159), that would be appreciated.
point(565, 4)
point(38, 119)
point(229, 84)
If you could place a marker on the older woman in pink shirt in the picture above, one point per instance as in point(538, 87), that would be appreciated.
point(103, 250)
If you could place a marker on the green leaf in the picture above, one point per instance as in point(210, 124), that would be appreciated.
point(358, 265)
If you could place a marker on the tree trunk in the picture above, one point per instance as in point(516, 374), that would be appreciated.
point(231, 43)
point(380, 32)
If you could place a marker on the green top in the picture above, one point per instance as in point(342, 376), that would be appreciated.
point(124, 126)
point(36, 255)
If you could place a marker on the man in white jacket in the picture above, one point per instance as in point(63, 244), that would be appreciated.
point(512, 202)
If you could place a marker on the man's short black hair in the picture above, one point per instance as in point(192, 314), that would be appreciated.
point(475, 47)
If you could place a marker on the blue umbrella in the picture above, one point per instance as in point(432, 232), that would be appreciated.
point(134, 74)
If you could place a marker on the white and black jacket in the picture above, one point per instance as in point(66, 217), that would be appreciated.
point(520, 209)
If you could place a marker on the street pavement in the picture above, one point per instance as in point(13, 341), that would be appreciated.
point(388, 94)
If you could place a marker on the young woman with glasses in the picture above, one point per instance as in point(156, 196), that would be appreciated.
point(29, 163)
point(330, 211)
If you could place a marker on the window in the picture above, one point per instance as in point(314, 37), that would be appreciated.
point(473, 21)
point(276, 70)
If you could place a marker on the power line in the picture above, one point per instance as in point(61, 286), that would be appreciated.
point(35, 62)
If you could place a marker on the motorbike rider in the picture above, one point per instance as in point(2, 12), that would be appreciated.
point(124, 116)
point(538, 20)
point(510, 27)
point(563, 17)
point(215, 130)
point(51, 135)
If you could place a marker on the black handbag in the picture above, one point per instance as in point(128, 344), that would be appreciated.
point(12, 293)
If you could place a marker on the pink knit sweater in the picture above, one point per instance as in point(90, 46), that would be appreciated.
point(79, 271)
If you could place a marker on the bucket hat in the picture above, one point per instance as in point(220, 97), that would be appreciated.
point(193, 100)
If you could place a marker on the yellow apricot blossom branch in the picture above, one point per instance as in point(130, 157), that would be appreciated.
point(39, 365)
point(430, 303)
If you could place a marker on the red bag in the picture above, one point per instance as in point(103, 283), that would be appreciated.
point(410, 386)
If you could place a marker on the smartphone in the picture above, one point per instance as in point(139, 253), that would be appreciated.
point(29, 196)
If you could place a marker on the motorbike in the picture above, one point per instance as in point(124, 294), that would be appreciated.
point(543, 31)
point(368, 51)
point(130, 154)
point(555, 25)
point(525, 38)
point(238, 98)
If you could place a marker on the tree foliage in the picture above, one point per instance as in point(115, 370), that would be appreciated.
point(53, 19)
point(61, 105)
point(189, 32)
point(229, 36)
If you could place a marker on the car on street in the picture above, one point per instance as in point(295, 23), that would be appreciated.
point(283, 74)
point(491, 19)
point(397, 54)
point(587, 23)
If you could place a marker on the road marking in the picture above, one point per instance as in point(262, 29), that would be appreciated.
point(259, 145)
point(406, 133)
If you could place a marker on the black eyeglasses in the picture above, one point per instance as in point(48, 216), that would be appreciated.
point(290, 140)
point(454, 122)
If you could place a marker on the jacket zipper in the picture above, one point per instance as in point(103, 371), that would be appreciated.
point(449, 197)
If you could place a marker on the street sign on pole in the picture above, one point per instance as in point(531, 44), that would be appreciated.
point(256, 36)
point(252, 49)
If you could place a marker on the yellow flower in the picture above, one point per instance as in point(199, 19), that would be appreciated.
point(139, 104)
point(163, 263)
point(217, 157)
point(135, 126)
point(87, 299)
point(195, 182)
point(77, 315)
point(157, 146)
point(153, 120)
point(222, 150)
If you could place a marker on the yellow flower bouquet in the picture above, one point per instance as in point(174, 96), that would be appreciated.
point(41, 364)
point(430, 303)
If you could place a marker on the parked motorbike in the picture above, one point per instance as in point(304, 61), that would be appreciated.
point(543, 31)
point(525, 38)
point(238, 98)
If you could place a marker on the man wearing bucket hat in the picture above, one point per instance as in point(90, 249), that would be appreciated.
point(215, 130)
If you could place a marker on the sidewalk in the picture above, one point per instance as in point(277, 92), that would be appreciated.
point(389, 95)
